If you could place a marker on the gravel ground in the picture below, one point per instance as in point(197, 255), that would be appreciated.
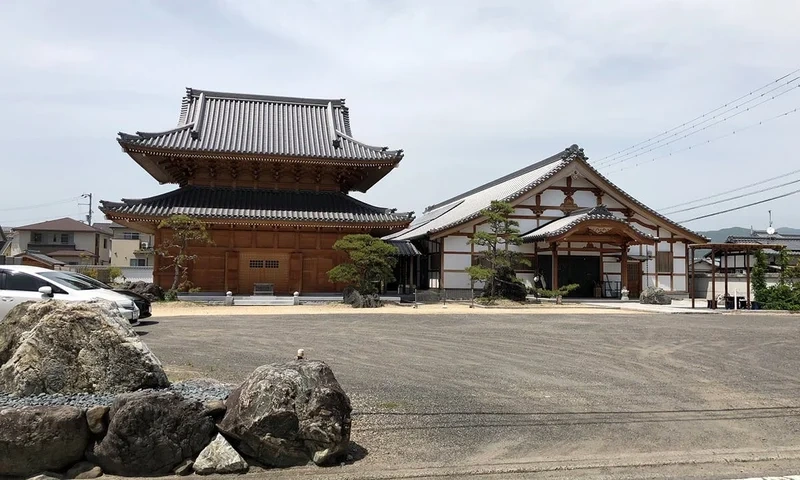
point(190, 389)
point(450, 394)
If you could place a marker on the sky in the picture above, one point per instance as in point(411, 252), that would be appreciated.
point(470, 90)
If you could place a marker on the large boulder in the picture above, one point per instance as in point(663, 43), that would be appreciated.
point(287, 414)
point(151, 433)
point(73, 347)
point(150, 291)
point(654, 296)
point(37, 439)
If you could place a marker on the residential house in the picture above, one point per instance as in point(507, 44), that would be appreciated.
point(269, 176)
point(737, 263)
point(65, 240)
point(5, 240)
point(578, 228)
point(129, 248)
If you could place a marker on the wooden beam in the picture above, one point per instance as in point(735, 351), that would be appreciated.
point(554, 278)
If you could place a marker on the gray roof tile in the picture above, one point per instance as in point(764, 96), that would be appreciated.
point(467, 206)
point(251, 204)
point(404, 248)
point(220, 122)
point(562, 225)
point(789, 241)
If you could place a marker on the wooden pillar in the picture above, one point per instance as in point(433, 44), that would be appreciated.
point(624, 266)
point(747, 275)
point(554, 279)
point(713, 280)
point(691, 285)
point(725, 255)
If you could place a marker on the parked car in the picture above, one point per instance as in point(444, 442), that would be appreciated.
point(145, 306)
point(21, 283)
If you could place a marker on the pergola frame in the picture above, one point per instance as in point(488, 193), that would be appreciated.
point(726, 249)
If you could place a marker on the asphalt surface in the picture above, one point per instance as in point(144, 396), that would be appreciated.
point(550, 396)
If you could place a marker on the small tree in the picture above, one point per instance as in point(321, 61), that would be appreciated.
point(759, 277)
point(372, 261)
point(496, 256)
point(185, 231)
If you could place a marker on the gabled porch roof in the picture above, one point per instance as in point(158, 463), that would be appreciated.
point(594, 224)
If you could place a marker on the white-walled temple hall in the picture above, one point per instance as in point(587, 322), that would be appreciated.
point(578, 227)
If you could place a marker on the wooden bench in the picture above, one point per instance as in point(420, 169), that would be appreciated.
point(263, 289)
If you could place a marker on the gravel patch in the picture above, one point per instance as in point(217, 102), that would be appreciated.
point(201, 391)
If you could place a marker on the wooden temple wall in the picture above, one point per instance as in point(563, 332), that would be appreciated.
point(291, 259)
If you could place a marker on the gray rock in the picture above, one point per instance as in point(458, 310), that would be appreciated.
point(214, 408)
point(288, 414)
point(96, 419)
point(37, 439)
point(82, 470)
point(47, 476)
point(219, 457)
point(654, 296)
point(151, 433)
point(185, 468)
point(73, 347)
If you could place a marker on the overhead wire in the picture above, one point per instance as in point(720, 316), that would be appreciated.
point(711, 140)
point(725, 200)
point(31, 207)
point(626, 159)
point(700, 116)
point(793, 192)
point(761, 182)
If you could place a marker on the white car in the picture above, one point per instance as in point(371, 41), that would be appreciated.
point(21, 283)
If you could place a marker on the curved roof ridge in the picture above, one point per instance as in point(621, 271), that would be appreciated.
point(143, 135)
point(195, 92)
point(372, 147)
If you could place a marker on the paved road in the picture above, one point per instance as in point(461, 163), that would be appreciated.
point(625, 396)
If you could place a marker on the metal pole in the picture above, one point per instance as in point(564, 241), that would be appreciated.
point(747, 274)
point(691, 275)
point(713, 280)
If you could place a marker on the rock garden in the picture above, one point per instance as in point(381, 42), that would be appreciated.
point(82, 395)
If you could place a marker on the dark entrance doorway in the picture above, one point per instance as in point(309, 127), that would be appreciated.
point(634, 279)
point(581, 269)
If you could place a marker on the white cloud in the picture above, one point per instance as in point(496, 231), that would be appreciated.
point(459, 85)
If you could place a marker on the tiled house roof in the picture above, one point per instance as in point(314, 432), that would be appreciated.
point(257, 205)
point(467, 206)
point(65, 224)
point(790, 242)
point(563, 225)
point(233, 123)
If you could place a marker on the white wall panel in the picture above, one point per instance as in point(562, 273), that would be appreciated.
point(552, 197)
point(456, 244)
point(456, 280)
point(457, 261)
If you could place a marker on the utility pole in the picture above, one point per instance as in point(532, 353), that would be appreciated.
point(89, 216)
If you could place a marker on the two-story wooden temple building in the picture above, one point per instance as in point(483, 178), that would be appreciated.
point(270, 177)
point(578, 228)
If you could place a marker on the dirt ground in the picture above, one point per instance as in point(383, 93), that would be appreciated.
point(195, 309)
point(547, 392)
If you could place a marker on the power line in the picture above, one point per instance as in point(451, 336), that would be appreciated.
point(732, 198)
point(653, 146)
point(625, 159)
point(31, 207)
point(699, 117)
point(761, 182)
point(734, 132)
point(793, 192)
